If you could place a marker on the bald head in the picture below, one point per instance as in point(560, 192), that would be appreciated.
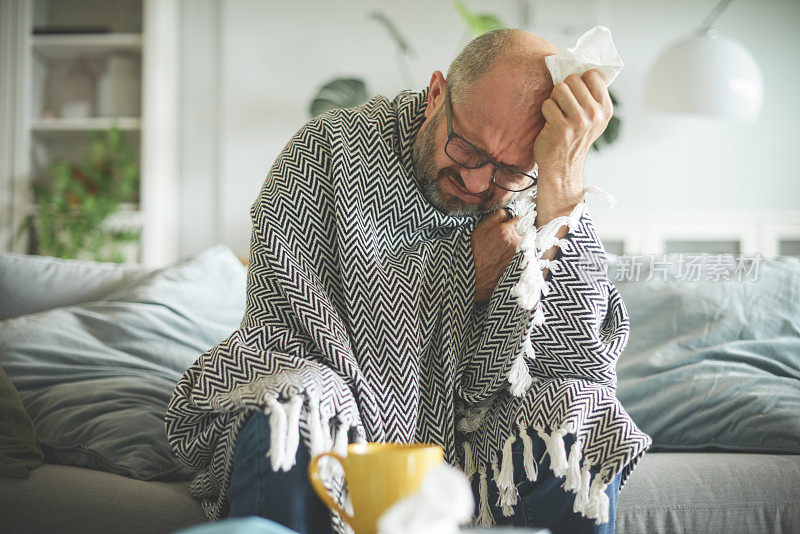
point(497, 86)
point(511, 55)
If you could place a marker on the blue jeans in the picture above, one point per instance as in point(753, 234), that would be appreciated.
point(287, 497)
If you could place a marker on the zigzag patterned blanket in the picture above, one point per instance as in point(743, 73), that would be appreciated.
point(360, 324)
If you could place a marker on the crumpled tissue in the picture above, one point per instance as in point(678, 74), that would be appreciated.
point(594, 50)
point(443, 502)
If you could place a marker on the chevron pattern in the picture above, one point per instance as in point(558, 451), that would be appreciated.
point(360, 299)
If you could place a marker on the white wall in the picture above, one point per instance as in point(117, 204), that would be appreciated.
point(251, 67)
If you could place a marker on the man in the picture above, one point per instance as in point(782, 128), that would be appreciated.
point(381, 305)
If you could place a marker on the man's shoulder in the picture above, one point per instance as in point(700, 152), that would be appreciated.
point(379, 114)
point(374, 114)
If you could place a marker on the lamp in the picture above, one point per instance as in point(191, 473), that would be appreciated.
point(706, 74)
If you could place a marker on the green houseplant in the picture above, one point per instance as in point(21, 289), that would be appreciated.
point(73, 206)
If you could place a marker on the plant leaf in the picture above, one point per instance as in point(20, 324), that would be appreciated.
point(338, 93)
point(393, 31)
point(479, 23)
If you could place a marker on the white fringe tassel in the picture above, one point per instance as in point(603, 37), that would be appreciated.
point(573, 482)
point(582, 495)
point(484, 518)
point(528, 462)
point(528, 347)
point(519, 377)
point(607, 197)
point(532, 286)
point(537, 241)
point(292, 432)
point(505, 479)
point(598, 501)
point(340, 443)
point(538, 315)
point(590, 498)
point(277, 426)
point(316, 438)
point(284, 423)
point(469, 461)
point(555, 448)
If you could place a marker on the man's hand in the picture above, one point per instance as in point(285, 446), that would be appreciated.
point(494, 243)
point(576, 114)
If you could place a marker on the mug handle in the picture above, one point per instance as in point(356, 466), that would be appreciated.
point(319, 488)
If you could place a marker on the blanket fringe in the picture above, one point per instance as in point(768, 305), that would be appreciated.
point(469, 461)
point(316, 438)
point(532, 286)
point(607, 197)
point(590, 501)
point(284, 423)
point(555, 448)
point(277, 426)
point(582, 495)
point(341, 441)
point(573, 482)
point(519, 378)
point(484, 518)
point(505, 479)
point(528, 462)
point(292, 431)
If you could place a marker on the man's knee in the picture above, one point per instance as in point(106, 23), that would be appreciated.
point(285, 497)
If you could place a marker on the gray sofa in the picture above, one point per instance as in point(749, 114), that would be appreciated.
point(716, 387)
point(713, 493)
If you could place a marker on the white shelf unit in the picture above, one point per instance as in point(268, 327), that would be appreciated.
point(748, 233)
point(37, 134)
point(85, 124)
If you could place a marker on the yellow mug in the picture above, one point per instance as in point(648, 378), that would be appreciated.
point(377, 476)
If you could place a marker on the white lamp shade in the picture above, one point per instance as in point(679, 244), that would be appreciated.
point(706, 74)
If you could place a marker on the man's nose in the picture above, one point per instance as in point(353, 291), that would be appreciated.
point(476, 181)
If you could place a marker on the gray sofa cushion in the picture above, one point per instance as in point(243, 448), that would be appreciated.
point(712, 364)
point(29, 283)
point(74, 500)
point(96, 378)
point(108, 424)
point(712, 493)
point(20, 450)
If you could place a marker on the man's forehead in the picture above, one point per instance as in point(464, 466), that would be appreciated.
point(495, 117)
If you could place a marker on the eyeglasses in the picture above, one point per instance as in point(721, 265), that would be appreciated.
point(469, 156)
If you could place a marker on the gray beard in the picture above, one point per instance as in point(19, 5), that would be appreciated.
point(423, 157)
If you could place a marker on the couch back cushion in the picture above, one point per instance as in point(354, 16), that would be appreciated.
point(96, 377)
point(713, 359)
point(29, 284)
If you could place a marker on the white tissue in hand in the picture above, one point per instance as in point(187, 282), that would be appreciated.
point(443, 502)
point(594, 50)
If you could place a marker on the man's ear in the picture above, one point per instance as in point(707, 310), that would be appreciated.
point(435, 93)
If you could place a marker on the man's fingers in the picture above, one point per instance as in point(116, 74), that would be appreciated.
point(562, 94)
point(509, 229)
point(551, 112)
point(496, 217)
point(579, 88)
point(597, 86)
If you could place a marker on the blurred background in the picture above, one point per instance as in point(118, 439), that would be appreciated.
point(142, 130)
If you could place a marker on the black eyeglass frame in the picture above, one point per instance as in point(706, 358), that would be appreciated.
point(486, 158)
